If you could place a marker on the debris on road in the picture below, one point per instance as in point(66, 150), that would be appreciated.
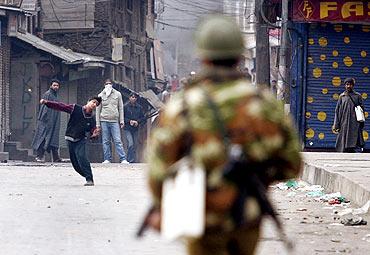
point(298, 188)
point(353, 222)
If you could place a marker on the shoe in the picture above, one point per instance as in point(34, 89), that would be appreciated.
point(89, 183)
point(124, 162)
point(106, 162)
point(40, 160)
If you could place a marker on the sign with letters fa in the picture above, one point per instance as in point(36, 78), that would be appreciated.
point(331, 11)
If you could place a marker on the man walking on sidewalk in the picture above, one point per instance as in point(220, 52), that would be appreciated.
point(109, 118)
point(80, 122)
point(48, 125)
point(346, 126)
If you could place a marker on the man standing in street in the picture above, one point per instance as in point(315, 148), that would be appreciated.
point(109, 118)
point(346, 126)
point(81, 121)
point(218, 114)
point(134, 118)
point(48, 125)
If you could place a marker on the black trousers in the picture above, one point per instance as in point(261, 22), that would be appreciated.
point(79, 160)
point(54, 152)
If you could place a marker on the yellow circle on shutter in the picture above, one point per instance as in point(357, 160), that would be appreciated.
point(364, 95)
point(366, 114)
point(317, 72)
point(321, 136)
point(335, 65)
point(348, 61)
point(322, 57)
point(311, 41)
point(308, 115)
point(310, 133)
point(335, 53)
point(310, 60)
point(310, 100)
point(363, 53)
point(364, 134)
point(336, 81)
point(321, 116)
point(323, 42)
point(338, 28)
point(346, 40)
point(365, 70)
point(335, 96)
point(324, 91)
point(366, 28)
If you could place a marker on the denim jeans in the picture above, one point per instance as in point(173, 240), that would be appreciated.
point(131, 137)
point(112, 130)
point(79, 160)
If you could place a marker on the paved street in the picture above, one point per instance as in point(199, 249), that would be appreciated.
point(46, 210)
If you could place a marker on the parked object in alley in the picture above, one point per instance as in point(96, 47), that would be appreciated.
point(346, 126)
point(239, 134)
point(109, 119)
point(46, 136)
point(80, 122)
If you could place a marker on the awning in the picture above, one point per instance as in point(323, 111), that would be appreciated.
point(69, 57)
point(146, 99)
point(15, 9)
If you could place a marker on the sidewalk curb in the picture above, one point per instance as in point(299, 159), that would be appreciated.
point(334, 182)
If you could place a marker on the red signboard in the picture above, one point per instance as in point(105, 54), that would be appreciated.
point(331, 11)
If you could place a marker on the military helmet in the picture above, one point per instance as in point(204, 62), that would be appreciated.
point(219, 37)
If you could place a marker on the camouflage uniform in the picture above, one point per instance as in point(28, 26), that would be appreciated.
point(253, 119)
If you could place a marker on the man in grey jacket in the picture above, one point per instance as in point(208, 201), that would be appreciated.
point(109, 118)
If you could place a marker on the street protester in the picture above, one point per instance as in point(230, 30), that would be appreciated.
point(134, 119)
point(81, 121)
point(109, 119)
point(236, 132)
point(46, 137)
point(346, 125)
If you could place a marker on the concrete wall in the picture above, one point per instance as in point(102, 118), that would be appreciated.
point(24, 99)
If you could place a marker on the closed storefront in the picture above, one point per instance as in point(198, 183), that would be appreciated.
point(334, 52)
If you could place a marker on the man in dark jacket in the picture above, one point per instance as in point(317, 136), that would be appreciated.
point(134, 118)
point(347, 127)
point(47, 133)
point(81, 121)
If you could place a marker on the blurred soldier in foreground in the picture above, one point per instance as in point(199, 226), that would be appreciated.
point(218, 111)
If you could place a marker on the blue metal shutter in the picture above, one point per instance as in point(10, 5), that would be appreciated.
point(335, 52)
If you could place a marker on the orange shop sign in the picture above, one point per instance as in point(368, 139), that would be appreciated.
point(331, 11)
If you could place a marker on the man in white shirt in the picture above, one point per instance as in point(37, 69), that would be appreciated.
point(109, 118)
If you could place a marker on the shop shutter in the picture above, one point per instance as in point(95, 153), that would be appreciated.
point(335, 52)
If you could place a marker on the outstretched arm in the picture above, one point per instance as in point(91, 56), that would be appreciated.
point(59, 106)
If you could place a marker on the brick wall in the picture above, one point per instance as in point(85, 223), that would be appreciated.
point(110, 21)
point(96, 41)
point(4, 83)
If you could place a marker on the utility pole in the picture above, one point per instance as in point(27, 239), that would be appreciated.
point(284, 74)
point(262, 48)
